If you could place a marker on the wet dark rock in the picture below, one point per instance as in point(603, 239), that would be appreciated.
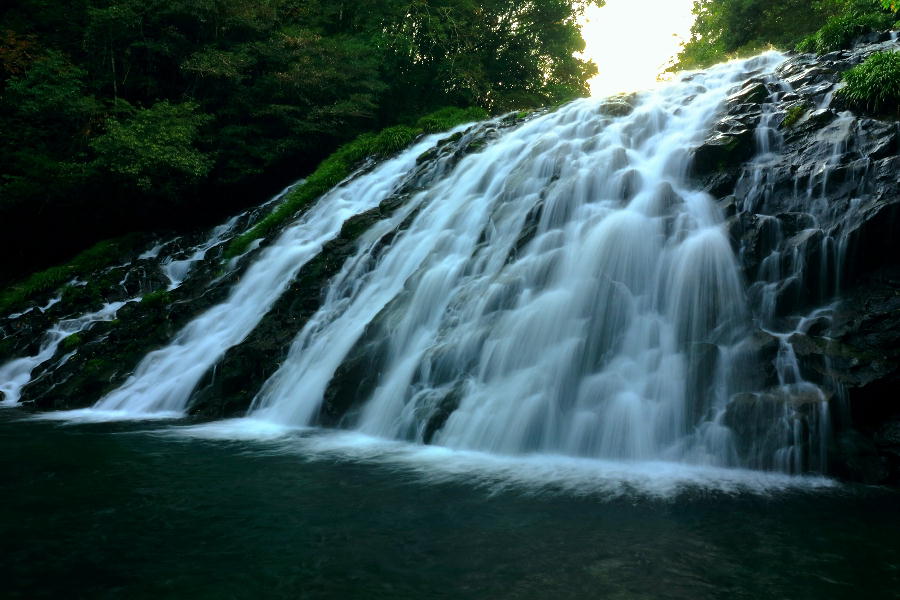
point(810, 122)
point(107, 352)
point(628, 184)
point(855, 457)
point(230, 386)
point(723, 150)
point(616, 108)
point(765, 422)
point(757, 237)
point(111, 350)
point(823, 215)
point(753, 91)
point(618, 105)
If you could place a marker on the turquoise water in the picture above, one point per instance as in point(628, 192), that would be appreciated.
point(120, 511)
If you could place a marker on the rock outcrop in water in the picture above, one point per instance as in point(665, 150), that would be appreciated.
point(810, 194)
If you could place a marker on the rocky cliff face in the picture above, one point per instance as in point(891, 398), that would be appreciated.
point(812, 195)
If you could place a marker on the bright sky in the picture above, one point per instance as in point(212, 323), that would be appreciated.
point(633, 41)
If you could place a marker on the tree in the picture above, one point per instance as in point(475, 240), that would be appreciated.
point(155, 148)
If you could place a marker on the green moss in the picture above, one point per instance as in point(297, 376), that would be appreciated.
point(341, 163)
point(874, 84)
point(71, 342)
point(794, 114)
point(95, 367)
point(97, 257)
point(157, 298)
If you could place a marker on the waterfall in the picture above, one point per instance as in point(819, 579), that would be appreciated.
point(164, 379)
point(563, 290)
point(552, 284)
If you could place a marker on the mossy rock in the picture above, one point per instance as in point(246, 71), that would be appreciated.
point(72, 342)
point(794, 114)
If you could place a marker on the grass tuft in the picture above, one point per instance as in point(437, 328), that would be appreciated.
point(874, 84)
point(794, 114)
point(100, 255)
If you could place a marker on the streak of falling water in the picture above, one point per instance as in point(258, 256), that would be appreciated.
point(564, 291)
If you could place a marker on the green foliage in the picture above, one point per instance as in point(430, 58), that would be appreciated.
point(729, 28)
point(154, 146)
point(808, 44)
point(392, 140)
point(875, 83)
point(794, 114)
point(840, 31)
point(51, 87)
point(95, 366)
point(82, 295)
point(112, 111)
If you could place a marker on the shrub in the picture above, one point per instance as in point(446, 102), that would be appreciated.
point(154, 146)
point(839, 32)
point(874, 84)
point(808, 44)
point(393, 139)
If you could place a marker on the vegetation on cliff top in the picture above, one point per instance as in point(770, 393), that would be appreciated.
point(730, 28)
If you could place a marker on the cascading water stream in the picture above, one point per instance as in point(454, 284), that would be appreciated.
point(176, 269)
point(164, 379)
point(564, 290)
point(798, 282)
point(15, 374)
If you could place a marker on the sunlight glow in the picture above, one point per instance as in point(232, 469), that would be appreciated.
point(634, 41)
